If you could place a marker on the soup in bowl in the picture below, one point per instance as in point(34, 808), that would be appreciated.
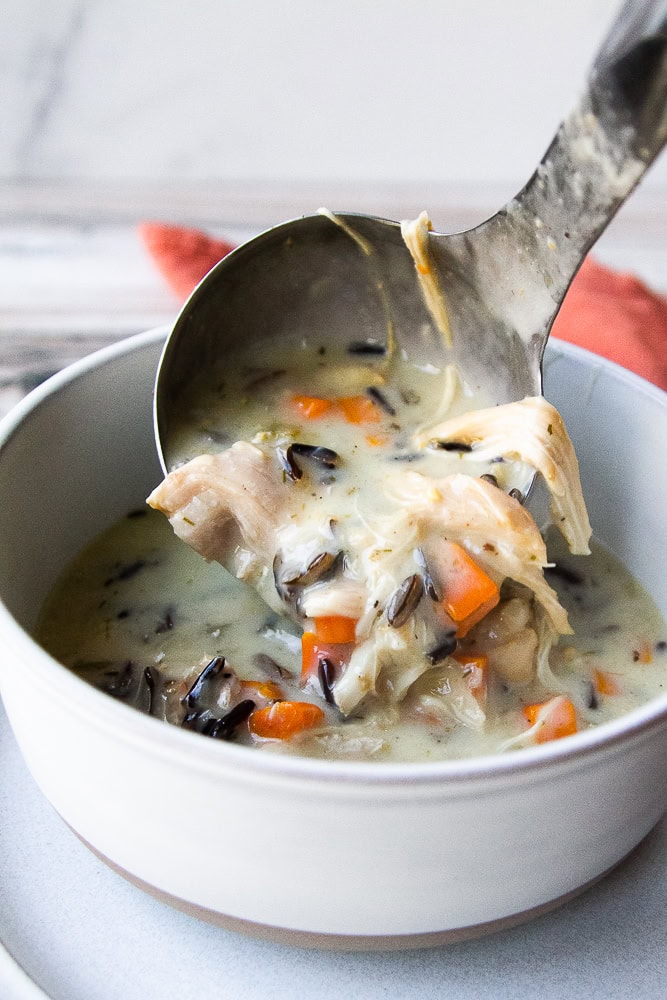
point(385, 847)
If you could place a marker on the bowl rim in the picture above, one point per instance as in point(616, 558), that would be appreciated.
point(188, 749)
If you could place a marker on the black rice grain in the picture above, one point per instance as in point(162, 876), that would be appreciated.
point(366, 347)
point(442, 651)
point(224, 728)
point(326, 675)
point(381, 400)
point(212, 670)
point(405, 600)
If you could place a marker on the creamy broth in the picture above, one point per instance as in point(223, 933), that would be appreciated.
point(138, 603)
point(378, 402)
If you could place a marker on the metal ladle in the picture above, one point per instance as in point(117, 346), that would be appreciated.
point(503, 282)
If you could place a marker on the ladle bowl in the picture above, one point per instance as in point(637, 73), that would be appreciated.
point(500, 285)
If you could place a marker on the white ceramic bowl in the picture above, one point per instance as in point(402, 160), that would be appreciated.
point(320, 852)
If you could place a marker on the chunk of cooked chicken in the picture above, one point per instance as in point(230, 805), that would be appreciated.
point(229, 508)
point(415, 236)
point(530, 431)
point(493, 527)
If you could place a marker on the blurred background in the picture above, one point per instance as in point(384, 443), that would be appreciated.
point(417, 97)
point(236, 115)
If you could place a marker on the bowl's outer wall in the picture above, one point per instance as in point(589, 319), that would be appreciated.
point(370, 857)
point(341, 859)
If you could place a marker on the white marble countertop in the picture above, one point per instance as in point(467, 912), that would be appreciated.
point(73, 277)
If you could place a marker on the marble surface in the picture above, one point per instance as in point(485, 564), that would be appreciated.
point(368, 91)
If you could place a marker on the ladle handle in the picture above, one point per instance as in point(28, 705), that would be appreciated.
point(536, 244)
point(628, 80)
point(600, 151)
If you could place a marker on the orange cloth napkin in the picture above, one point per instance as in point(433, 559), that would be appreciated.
point(614, 315)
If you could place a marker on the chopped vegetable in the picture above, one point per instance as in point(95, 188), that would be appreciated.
point(354, 409)
point(552, 719)
point(284, 719)
point(311, 407)
point(309, 657)
point(265, 689)
point(469, 593)
point(359, 410)
point(605, 683)
point(643, 654)
point(335, 628)
point(314, 648)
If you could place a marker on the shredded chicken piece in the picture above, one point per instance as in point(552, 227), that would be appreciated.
point(494, 528)
point(533, 432)
point(367, 249)
point(363, 244)
point(450, 390)
point(221, 503)
point(340, 597)
point(393, 657)
point(415, 235)
point(443, 693)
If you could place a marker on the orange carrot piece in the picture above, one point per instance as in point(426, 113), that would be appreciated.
point(312, 407)
point(335, 628)
point(469, 593)
point(376, 440)
point(475, 670)
point(284, 719)
point(463, 627)
point(359, 410)
point(643, 653)
point(605, 683)
point(266, 689)
point(314, 649)
point(309, 657)
point(554, 718)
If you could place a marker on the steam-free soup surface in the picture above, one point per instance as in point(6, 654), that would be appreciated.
point(139, 601)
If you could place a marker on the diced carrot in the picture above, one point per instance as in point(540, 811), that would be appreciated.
point(266, 689)
point(309, 657)
point(359, 410)
point(554, 718)
point(376, 440)
point(469, 593)
point(605, 683)
point(284, 719)
point(643, 653)
point(335, 628)
point(463, 627)
point(312, 407)
point(475, 670)
point(314, 649)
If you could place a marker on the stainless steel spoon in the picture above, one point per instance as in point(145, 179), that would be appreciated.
point(502, 282)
